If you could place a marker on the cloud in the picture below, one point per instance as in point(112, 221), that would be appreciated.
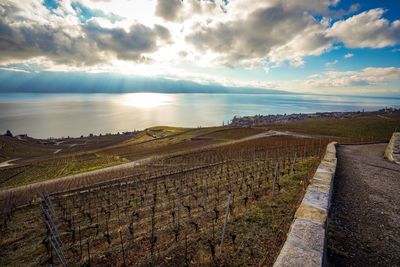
point(13, 69)
point(168, 9)
point(259, 36)
point(332, 63)
point(69, 42)
point(279, 31)
point(367, 29)
point(348, 55)
point(85, 13)
point(196, 36)
point(365, 77)
point(24, 35)
point(181, 11)
point(129, 44)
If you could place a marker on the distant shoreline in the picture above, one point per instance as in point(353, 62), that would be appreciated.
point(243, 121)
point(274, 92)
point(256, 120)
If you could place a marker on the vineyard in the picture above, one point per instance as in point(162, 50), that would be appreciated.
point(79, 155)
point(57, 167)
point(228, 205)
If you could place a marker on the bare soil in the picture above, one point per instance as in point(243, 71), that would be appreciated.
point(364, 221)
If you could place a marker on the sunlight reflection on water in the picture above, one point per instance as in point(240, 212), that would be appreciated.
point(145, 100)
point(55, 115)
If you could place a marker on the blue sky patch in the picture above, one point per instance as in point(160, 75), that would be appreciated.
point(50, 4)
point(86, 13)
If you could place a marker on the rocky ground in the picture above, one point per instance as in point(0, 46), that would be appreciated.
point(364, 221)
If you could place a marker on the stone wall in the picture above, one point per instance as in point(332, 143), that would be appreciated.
point(392, 151)
point(306, 241)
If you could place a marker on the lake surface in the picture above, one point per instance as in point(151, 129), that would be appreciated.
point(56, 115)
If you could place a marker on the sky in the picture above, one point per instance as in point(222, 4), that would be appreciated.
point(312, 46)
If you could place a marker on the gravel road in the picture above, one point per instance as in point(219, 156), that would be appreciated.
point(364, 221)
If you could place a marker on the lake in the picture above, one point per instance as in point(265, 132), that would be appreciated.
point(57, 115)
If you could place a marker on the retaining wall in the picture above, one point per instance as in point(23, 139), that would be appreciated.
point(392, 151)
point(306, 241)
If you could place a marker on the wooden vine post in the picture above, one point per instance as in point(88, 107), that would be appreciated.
point(228, 208)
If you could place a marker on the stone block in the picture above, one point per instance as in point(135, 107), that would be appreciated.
point(311, 213)
point(307, 234)
point(325, 177)
point(293, 256)
point(320, 186)
point(304, 245)
point(316, 198)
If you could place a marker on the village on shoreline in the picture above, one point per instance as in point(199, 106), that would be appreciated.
point(247, 121)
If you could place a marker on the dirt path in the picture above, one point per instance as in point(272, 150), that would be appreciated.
point(25, 189)
point(384, 117)
point(7, 163)
point(364, 222)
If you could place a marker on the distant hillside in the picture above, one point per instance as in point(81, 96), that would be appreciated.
point(66, 82)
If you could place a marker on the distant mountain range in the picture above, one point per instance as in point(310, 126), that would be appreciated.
point(65, 82)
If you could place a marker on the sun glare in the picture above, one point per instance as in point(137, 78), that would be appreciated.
point(145, 100)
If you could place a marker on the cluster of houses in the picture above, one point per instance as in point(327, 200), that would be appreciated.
point(284, 118)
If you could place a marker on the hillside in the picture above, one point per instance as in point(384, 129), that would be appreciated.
point(166, 195)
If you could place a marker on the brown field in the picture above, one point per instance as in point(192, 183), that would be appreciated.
point(92, 153)
point(38, 162)
point(170, 209)
point(372, 125)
